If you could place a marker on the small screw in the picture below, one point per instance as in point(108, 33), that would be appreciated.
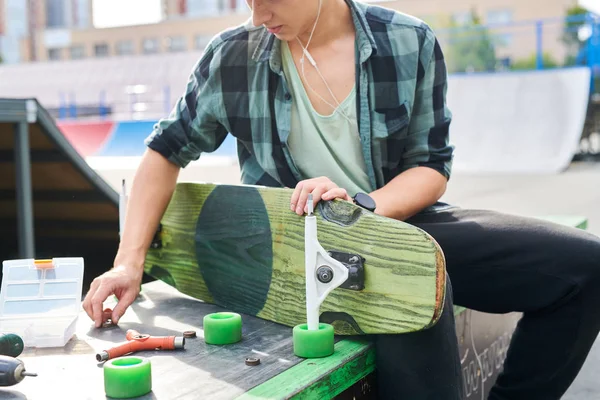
point(251, 361)
point(189, 334)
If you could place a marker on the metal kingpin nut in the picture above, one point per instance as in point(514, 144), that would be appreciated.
point(189, 334)
point(252, 361)
point(325, 274)
point(353, 259)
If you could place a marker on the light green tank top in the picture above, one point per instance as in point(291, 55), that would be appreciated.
point(324, 145)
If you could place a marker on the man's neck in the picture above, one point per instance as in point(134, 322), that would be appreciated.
point(335, 21)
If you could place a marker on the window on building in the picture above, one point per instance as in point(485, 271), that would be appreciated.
point(77, 52)
point(176, 43)
point(56, 14)
point(54, 54)
point(197, 8)
point(101, 49)
point(150, 45)
point(124, 47)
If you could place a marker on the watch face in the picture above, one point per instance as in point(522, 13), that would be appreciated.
point(365, 201)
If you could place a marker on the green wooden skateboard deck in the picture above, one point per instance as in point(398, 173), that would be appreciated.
point(242, 248)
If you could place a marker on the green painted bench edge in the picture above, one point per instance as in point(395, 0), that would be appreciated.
point(320, 378)
point(325, 378)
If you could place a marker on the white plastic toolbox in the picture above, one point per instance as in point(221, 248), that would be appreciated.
point(40, 300)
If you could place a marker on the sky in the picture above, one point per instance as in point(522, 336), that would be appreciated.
point(109, 13)
point(131, 12)
point(591, 5)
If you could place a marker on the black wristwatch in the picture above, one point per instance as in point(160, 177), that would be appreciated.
point(365, 201)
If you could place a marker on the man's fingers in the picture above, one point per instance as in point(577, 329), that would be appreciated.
point(296, 195)
point(316, 186)
point(336, 193)
point(301, 205)
point(124, 302)
point(97, 304)
point(87, 306)
point(317, 195)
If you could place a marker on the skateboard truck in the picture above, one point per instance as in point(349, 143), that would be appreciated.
point(356, 269)
point(323, 274)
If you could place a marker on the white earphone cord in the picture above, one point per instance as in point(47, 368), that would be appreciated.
point(314, 64)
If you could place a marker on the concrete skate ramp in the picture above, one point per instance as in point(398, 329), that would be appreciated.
point(75, 212)
point(517, 122)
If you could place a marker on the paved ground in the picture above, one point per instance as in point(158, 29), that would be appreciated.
point(576, 191)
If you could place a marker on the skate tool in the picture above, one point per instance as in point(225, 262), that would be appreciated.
point(138, 342)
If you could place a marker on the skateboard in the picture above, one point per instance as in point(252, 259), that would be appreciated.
point(242, 248)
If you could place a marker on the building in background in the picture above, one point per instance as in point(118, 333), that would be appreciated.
point(187, 25)
point(13, 28)
point(201, 8)
point(28, 26)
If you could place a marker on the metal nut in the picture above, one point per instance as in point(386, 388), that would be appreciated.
point(189, 334)
point(252, 361)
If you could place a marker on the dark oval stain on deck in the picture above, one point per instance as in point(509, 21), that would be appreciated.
point(234, 248)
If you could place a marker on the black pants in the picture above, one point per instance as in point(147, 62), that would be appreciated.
point(499, 263)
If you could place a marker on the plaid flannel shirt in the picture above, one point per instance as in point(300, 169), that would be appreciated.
point(238, 87)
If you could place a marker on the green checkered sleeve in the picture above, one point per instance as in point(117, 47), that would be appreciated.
point(428, 141)
point(192, 127)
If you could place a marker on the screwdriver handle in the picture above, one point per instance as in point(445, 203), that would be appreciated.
point(10, 371)
point(11, 345)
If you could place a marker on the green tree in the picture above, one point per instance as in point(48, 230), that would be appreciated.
point(531, 62)
point(470, 46)
point(571, 29)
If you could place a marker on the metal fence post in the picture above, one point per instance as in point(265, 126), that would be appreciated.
point(102, 111)
point(539, 25)
point(24, 194)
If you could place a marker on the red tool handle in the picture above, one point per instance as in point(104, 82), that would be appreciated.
point(138, 342)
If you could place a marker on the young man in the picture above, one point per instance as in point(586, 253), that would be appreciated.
point(363, 109)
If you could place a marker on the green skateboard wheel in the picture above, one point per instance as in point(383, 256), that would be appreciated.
point(127, 377)
point(11, 345)
point(313, 343)
point(222, 328)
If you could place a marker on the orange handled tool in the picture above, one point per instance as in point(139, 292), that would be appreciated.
point(137, 342)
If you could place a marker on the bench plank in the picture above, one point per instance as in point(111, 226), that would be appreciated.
point(198, 371)
point(321, 378)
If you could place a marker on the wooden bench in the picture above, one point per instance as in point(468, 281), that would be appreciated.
point(219, 372)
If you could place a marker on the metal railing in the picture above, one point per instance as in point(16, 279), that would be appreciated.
point(471, 48)
point(523, 45)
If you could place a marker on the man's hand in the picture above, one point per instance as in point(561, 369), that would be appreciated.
point(124, 282)
point(322, 188)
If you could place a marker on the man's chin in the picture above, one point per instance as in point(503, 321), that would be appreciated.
point(284, 36)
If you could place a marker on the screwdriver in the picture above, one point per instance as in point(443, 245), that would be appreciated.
point(11, 345)
point(12, 371)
